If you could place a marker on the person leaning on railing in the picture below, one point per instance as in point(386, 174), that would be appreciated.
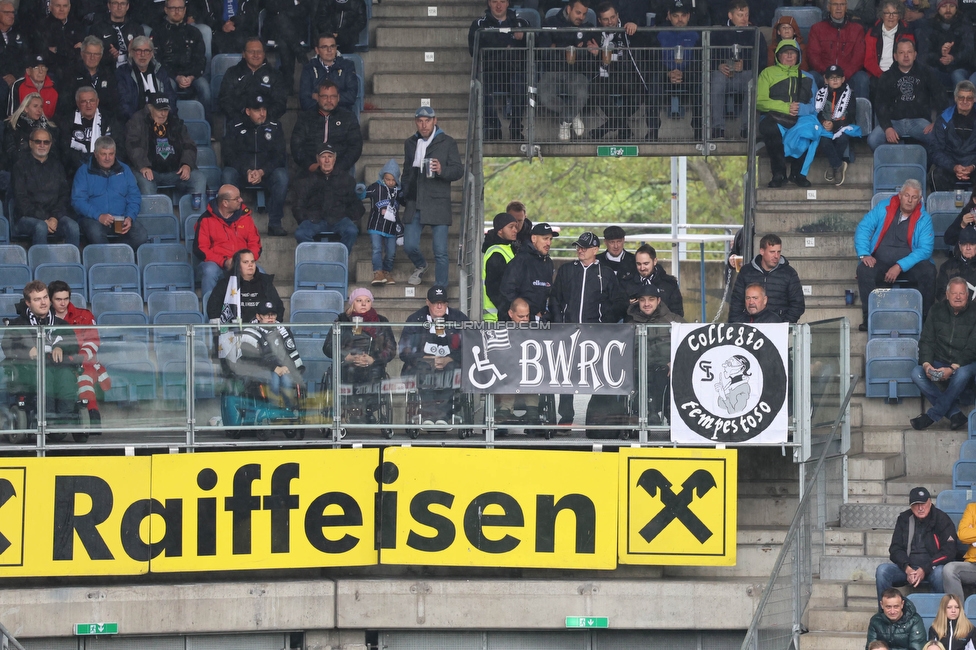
point(731, 71)
point(502, 65)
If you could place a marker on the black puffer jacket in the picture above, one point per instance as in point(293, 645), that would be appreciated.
point(783, 291)
point(112, 35)
point(658, 339)
point(180, 48)
point(666, 283)
point(956, 265)
point(41, 189)
point(529, 276)
point(586, 295)
point(327, 198)
point(908, 632)
point(103, 81)
point(241, 83)
point(255, 146)
point(344, 18)
point(947, 336)
point(344, 134)
point(939, 541)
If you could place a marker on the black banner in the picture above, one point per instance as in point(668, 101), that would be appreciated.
point(559, 358)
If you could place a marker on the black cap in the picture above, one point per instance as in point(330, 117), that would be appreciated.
point(326, 148)
point(501, 220)
point(587, 240)
point(967, 235)
point(542, 229)
point(649, 290)
point(266, 308)
point(38, 59)
point(918, 495)
point(256, 101)
point(834, 71)
point(159, 101)
point(613, 232)
point(437, 293)
point(679, 7)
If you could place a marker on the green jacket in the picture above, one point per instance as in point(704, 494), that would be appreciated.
point(781, 85)
point(947, 336)
point(907, 633)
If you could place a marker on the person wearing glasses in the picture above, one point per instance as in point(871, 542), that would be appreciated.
point(180, 48)
point(116, 31)
point(327, 64)
point(880, 39)
point(141, 77)
point(91, 71)
point(83, 126)
point(225, 228)
point(953, 152)
point(344, 19)
point(43, 196)
point(36, 80)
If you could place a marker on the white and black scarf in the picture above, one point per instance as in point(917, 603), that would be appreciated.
point(78, 126)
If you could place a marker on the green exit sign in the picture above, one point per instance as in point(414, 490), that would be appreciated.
point(587, 622)
point(616, 152)
point(96, 629)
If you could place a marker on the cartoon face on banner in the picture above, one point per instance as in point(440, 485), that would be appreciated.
point(729, 383)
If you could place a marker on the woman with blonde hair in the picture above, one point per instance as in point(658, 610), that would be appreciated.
point(21, 123)
point(933, 645)
point(951, 628)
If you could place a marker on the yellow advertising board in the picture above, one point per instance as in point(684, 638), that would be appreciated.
point(265, 509)
point(74, 516)
point(677, 506)
point(499, 508)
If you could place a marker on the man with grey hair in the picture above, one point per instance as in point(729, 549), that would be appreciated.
point(106, 198)
point(894, 241)
point(13, 49)
point(80, 128)
point(953, 151)
point(91, 71)
point(142, 76)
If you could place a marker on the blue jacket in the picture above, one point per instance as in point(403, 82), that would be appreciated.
point(130, 100)
point(948, 149)
point(113, 191)
point(342, 73)
point(921, 237)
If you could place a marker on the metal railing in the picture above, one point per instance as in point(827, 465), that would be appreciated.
point(172, 388)
point(777, 625)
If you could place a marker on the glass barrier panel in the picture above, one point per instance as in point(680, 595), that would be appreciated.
point(18, 387)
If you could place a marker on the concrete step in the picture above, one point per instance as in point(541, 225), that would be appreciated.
point(825, 268)
point(765, 512)
point(798, 246)
point(448, 33)
point(402, 127)
point(882, 440)
point(876, 466)
point(898, 488)
point(397, 60)
point(399, 102)
point(857, 541)
point(869, 516)
point(839, 619)
point(420, 85)
point(861, 171)
point(833, 640)
point(397, 13)
point(876, 412)
point(853, 193)
point(932, 452)
point(847, 567)
point(809, 219)
point(362, 271)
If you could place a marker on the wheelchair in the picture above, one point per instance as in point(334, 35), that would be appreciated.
point(252, 403)
point(527, 410)
point(22, 411)
point(363, 398)
point(436, 397)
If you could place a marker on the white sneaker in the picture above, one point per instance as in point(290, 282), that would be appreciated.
point(578, 127)
point(417, 276)
point(564, 131)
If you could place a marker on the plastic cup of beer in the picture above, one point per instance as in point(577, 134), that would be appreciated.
point(607, 53)
point(119, 224)
point(357, 325)
point(439, 328)
point(736, 262)
point(570, 54)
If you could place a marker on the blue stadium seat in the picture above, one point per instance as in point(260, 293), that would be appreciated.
point(13, 277)
point(189, 230)
point(161, 227)
point(207, 163)
point(132, 381)
point(531, 16)
point(124, 301)
point(207, 34)
point(927, 606)
point(964, 475)
point(173, 301)
point(219, 65)
point(805, 17)
point(178, 318)
point(53, 254)
point(953, 503)
point(107, 254)
point(321, 252)
point(8, 304)
point(4, 229)
point(186, 207)
point(896, 163)
point(940, 221)
point(897, 311)
point(74, 274)
point(200, 131)
point(321, 275)
point(969, 607)
point(191, 109)
point(362, 45)
point(357, 62)
point(163, 276)
point(968, 450)
point(156, 204)
point(127, 318)
point(13, 254)
point(881, 197)
point(79, 300)
point(157, 253)
point(171, 356)
point(305, 300)
point(888, 366)
point(317, 364)
point(943, 202)
point(114, 277)
point(865, 115)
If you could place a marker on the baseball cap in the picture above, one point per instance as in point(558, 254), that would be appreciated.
point(613, 232)
point(325, 148)
point(38, 59)
point(679, 7)
point(437, 293)
point(159, 101)
point(501, 220)
point(918, 495)
point(967, 236)
point(587, 240)
point(833, 71)
point(266, 308)
point(425, 111)
point(256, 101)
point(542, 229)
point(649, 290)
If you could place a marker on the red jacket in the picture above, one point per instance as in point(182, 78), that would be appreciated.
point(217, 239)
point(49, 95)
point(827, 45)
point(88, 340)
point(872, 46)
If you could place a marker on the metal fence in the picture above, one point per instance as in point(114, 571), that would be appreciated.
point(170, 386)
